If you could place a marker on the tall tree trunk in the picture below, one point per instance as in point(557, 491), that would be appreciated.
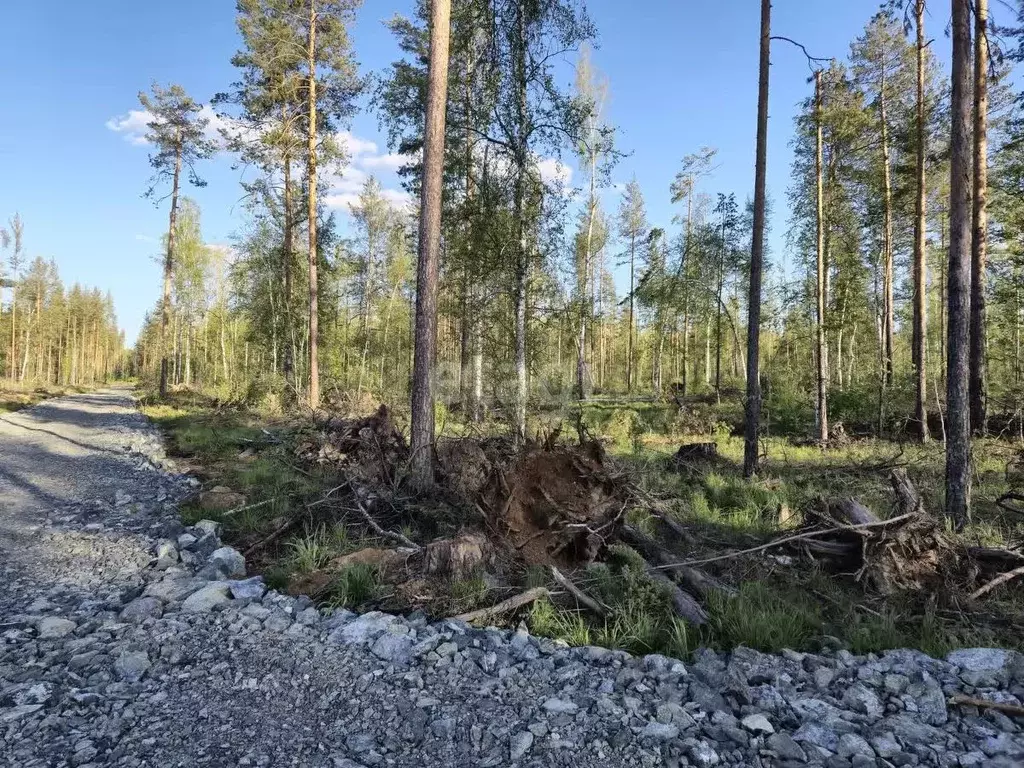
point(718, 316)
point(920, 266)
point(422, 431)
point(958, 422)
point(979, 242)
point(890, 314)
point(287, 260)
point(752, 408)
point(314, 289)
point(632, 287)
point(821, 358)
point(165, 308)
point(581, 341)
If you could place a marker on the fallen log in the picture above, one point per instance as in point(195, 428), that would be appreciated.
point(511, 604)
point(581, 597)
point(693, 580)
point(682, 602)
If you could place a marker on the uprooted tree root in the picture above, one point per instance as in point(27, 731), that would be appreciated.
point(560, 507)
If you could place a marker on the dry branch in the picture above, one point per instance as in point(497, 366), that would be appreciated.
point(970, 701)
point(1000, 579)
point(581, 597)
point(272, 536)
point(404, 541)
point(789, 539)
point(516, 601)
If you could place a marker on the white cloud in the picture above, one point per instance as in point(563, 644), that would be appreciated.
point(399, 198)
point(553, 170)
point(133, 126)
point(390, 162)
point(355, 146)
point(145, 239)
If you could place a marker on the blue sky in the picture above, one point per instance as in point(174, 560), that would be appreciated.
point(682, 73)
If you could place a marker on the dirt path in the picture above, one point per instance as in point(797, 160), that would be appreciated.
point(110, 656)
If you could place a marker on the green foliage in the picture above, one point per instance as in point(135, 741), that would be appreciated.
point(760, 617)
point(353, 586)
point(310, 552)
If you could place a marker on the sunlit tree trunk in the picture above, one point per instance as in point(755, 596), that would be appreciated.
point(979, 241)
point(422, 430)
point(314, 292)
point(752, 408)
point(958, 423)
point(920, 276)
point(165, 308)
point(821, 357)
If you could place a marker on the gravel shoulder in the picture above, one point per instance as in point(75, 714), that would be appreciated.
point(127, 639)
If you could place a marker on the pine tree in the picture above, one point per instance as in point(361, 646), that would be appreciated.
point(422, 429)
point(178, 132)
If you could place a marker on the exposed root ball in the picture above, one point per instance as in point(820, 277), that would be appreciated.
point(556, 506)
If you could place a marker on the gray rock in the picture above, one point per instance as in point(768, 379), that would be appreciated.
point(166, 555)
point(204, 527)
point(132, 665)
point(885, 745)
point(986, 667)
point(142, 608)
point(53, 627)
point(703, 755)
point(214, 594)
point(782, 744)
point(186, 541)
point(818, 735)
point(362, 630)
point(520, 744)
point(248, 589)
point(230, 560)
point(396, 649)
point(851, 744)
point(560, 706)
point(757, 724)
point(171, 590)
point(16, 713)
point(660, 731)
point(862, 699)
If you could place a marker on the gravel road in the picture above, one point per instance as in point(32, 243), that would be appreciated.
point(127, 639)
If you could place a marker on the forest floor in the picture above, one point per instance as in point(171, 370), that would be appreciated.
point(320, 508)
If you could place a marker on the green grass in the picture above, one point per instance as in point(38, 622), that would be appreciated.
point(354, 586)
point(310, 552)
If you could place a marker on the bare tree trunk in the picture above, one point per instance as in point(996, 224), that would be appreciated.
point(752, 409)
point(632, 287)
point(920, 266)
point(165, 308)
point(288, 356)
point(958, 428)
point(422, 431)
point(581, 360)
point(821, 358)
point(314, 290)
point(979, 242)
point(889, 320)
